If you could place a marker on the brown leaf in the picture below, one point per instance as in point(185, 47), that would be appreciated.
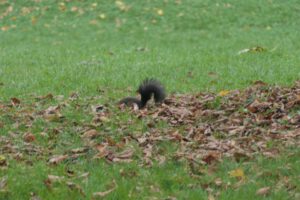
point(105, 193)
point(102, 149)
point(257, 106)
point(28, 137)
point(3, 183)
point(54, 179)
point(211, 158)
point(218, 182)
point(79, 150)
point(263, 191)
point(15, 101)
point(53, 113)
point(122, 157)
point(90, 134)
point(48, 96)
point(74, 186)
point(57, 159)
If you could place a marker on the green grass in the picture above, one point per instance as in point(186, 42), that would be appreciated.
point(192, 47)
point(73, 55)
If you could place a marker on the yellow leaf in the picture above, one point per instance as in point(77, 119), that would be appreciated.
point(2, 158)
point(74, 9)
point(238, 173)
point(3, 161)
point(4, 28)
point(160, 12)
point(62, 6)
point(25, 11)
point(102, 16)
point(122, 6)
point(210, 197)
point(33, 20)
point(224, 93)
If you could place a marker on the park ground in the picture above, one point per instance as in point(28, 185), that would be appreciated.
point(229, 128)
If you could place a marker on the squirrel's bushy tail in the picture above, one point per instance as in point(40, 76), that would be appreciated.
point(149, 87)
point(146, 89)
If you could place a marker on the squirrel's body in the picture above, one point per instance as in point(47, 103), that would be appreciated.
point(147, 88)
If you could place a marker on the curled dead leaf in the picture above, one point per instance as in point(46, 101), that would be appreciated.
point(90, 134)
point(105, 193)
point(3, 184)
point(15, 101)
point(54, 179)
point(122, 157)
point(28, 137)
point(263, 191)
point(57, 159)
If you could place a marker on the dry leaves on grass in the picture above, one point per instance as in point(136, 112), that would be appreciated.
point(203, 128)
point(239, 124)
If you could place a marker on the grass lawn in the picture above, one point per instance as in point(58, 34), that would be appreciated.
point(97, 52)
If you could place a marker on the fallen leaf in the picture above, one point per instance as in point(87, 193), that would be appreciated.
point(105, 193)
point(3, 161)
point(3, 183)
point(90, 134)
point(263, 191)
point(5, 28)
point(218, 182)
point(160, 12)
point(102, 16)
point(15, 101)
point(238, 173)
point(224, 93)
point(122, 6)
point(28, 137)
point(253, 49)
point(57, 159)
point(54, 179)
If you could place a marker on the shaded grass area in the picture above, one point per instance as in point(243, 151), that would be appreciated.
point(192, 47)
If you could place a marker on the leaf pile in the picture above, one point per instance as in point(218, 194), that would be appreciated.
point(201, 128)
point(239, 124)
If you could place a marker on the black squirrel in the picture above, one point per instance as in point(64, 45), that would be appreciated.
point(146, 89)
